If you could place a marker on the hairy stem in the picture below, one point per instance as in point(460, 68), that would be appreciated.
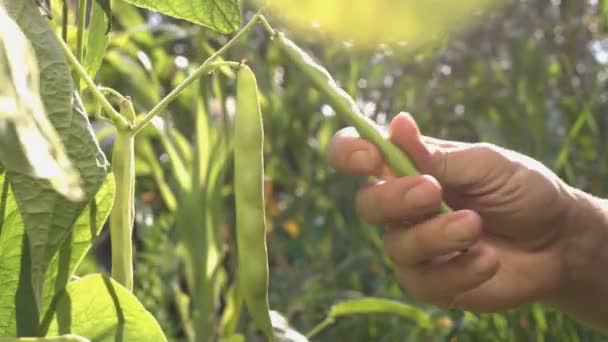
point(82, 21)
point(64, 20)
point(320, 327)
point(118, 120)
point(207, 66)
point(200, 71)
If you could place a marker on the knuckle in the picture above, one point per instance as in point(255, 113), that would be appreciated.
point(485, 146)
point(362, 201)
point(439, 163)
point(486, 149)
point(382, 195)
point(417, 237)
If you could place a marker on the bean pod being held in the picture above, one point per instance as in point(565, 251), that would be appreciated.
point(249, 193)
point(347, 108)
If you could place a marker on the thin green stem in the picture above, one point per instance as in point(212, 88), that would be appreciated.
point(118, 120)
point(64, 20)
point(112, 92)
point(320, 327)
point(82, 21)
point(100, 116)
point(267, 25)
point(205, 67)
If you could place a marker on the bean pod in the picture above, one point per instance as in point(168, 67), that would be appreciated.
point(348, 110)
point(123, 211)
point(249, 193)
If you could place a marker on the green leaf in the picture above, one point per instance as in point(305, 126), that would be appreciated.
point(64, 338)
point(28, 142)
point(106, 6)
point(14, 272)
point(14, 264)
point(100, 309)
point(379, 306)
point(223, 16)
point(148, 161)
point(132, 76)
point(79, 241)
point(233, 338)
point(48, 217)
point(97, 36)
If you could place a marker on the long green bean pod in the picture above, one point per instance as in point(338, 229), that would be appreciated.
point(249, 193)
point(348, 110)
point(123, 212)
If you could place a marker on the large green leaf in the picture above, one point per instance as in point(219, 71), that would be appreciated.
point(106, 6)
point(48, 217)
point(221, 15)
point(79, 241)
point(101, 310)
point(28, 142)
point(15, 279)
point(64, 338)
point(12, 274)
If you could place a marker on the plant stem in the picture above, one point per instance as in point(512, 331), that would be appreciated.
point(320, 327)
point(82, 21)
point(267, 25)
point(205, 67)
point(119, 121)
point(112, 92)
point(64, 20)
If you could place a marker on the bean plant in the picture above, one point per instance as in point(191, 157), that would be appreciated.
point(61, 183)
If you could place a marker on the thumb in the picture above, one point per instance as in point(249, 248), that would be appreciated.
point(453, 164)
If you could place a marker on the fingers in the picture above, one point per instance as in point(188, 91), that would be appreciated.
point(452, 164)
point(439, 236)
point(398, 200)
point(352, 155)
point(428, 261)
point(443, 284)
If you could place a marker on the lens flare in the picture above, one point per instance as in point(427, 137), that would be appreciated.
point(380, 21)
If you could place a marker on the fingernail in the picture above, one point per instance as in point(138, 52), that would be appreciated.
point(420, 196)
point(360, 159)
point(404, 115)
point(460, 229)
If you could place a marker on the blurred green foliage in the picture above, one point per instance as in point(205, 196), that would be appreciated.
point(531, 76)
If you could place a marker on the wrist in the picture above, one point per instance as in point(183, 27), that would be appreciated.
point(583, 284)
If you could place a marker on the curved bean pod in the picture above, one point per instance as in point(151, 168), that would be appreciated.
point(348, 110)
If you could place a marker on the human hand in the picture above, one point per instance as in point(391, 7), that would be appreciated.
point(510, 214)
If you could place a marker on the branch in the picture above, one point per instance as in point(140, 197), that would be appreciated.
point(118, 120)
point(205, 67)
